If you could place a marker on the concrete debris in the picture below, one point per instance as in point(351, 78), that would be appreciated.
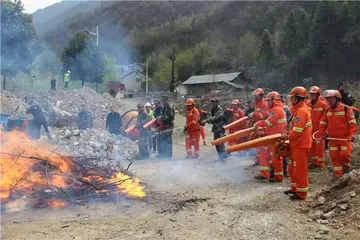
point(66, 104)
point(95, 143)
point(322, 221)
point(323, 229)
point(352, 194)
point(318, 236)
point(316, 215)
point(329, 215)
point(344, 206)
point(10, 104)
point(321, 200)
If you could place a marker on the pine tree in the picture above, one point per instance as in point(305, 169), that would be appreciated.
point(266, 50)
point(289, 41)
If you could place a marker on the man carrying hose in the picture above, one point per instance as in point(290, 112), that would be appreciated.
point(317, 108)
point(237, 113)
point(274, 123)
point(192, 129)
point(300, 140)
point(340, 124)
point(260, 113)
point(218, 121)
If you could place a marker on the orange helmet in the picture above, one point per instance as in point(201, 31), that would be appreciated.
point(315, 89)
point(190, 102)
point(258, 91)
point(298, 92)
point(273, 96)
point(235, 101)
point(332, 93)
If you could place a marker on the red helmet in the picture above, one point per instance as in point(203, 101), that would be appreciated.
point(235, 102)
point(298, 92)
point(258, 91)
point(190, 102)
point(315, 89)
point(273, 96)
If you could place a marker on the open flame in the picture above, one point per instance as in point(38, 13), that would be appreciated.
point(36, 169)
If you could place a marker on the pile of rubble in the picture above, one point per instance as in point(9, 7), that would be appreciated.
point(10, 104)
point(96, 143)
point(339, 205)
point(68, 102)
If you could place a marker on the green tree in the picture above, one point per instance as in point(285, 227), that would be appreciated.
point(47, 61)
point(302, 26)
point(18, 40)
point(84, 60)
point(266, 52)
point(289, 41)
point(248, 44)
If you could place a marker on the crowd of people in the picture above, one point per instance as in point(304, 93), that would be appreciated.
point(306, 119)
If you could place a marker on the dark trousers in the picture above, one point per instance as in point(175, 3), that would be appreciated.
point(220, 148)
point(66, 85)
point(53, 87)
point(165, 144)
point(143, 147)
point(154, 141)
point(38, 130)
point(285, 167)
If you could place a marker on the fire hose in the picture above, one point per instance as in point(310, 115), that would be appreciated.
point(235, 135)
point(331, 138)
point(236, 123)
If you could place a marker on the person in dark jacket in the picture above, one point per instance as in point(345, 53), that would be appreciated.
point(113, 122)
point(217, 119)
point(53, 83)
point(250, 107)
point(157, 112)
point(39, 119)
point(142, 119)
point(166, 118)
point(84, 119)
point(346, 98)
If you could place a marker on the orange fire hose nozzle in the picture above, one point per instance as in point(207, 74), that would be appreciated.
point(130, 129)
point(330, 138)
point(236, 123)
point(235, 135)
point(264, 141)
point(150, 123)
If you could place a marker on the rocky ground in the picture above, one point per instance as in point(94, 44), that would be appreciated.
point(196, 199)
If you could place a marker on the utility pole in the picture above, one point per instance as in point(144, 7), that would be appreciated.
point(172, 83)
point(147, 78)
point(97, 45)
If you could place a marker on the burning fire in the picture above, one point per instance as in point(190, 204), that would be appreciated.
point(33, 168)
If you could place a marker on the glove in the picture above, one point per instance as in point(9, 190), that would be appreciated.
point(250, 115)
point(185, 128)
point(255, 127)
point(325, 136)
point(204, 121)
point(352, 139)
point(284, 137)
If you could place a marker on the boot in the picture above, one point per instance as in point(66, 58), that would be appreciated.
point(259, 177)
point(289, 192)
point(220, 161)
point(296, 197)
point(273, 180)
point(256, 164)
point(204, 143)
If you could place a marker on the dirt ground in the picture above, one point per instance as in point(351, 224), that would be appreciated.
point(186, 199)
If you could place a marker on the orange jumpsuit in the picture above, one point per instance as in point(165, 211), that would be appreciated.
point(317, 153)
point(275, 123)
point(300, 138)
point(236, 115)
point(193, 132)
point(339, 123)
point(261, 112)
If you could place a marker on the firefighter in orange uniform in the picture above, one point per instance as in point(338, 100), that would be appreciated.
point(274, 123)
point(261, 112)
point(339, 122)
point(192, 129)
point(317, 108)
point(300, 138)
point(237, 113)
